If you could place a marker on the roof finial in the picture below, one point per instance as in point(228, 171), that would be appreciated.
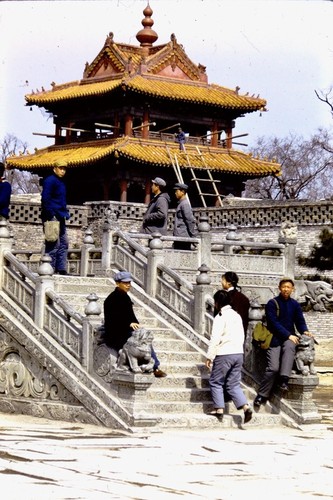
point(147, 36)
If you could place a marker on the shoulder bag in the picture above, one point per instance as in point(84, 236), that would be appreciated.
point(261, 336)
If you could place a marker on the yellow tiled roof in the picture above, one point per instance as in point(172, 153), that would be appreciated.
point(146, 152)
point(199, 93)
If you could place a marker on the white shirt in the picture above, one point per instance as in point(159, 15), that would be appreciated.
point(227, 334)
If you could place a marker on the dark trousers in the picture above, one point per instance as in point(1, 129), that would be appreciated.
point(58, 250)
point(181, 245)
point(280, 361)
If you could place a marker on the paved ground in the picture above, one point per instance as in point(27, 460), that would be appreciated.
point(40, 459)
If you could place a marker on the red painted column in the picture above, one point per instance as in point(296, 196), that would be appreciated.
point(214, 136)
point(128, 125)
point(147, 192)
point(123, 190)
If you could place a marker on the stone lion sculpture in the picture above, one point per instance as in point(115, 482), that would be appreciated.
point(288, 231)
point(136, 353)
point(305, 356)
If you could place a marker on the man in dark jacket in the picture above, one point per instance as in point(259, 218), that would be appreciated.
point(5, 194)
point(119, 317)
point(184, 223)
point(284, 316)
point(54, 207)
point(156, 216)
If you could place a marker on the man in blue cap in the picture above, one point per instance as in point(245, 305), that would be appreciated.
point(184, 224)
point(155, 219)
point(54, 207)
point(119, 317)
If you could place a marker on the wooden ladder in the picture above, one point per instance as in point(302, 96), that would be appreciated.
point(176, 167)
point(209, 178)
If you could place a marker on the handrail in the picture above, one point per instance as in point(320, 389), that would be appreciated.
point(70, 312)
point(176, 277)
point(20, 267)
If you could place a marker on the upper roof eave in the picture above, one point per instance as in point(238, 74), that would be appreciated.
point(154, 86)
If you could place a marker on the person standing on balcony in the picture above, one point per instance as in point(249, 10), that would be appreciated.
point(5, 194)
point(225, 357)
point(180, 137)
point(120, 320)
point(238, 301)
point(184, 223)
point(155, 220)
point(54, 207)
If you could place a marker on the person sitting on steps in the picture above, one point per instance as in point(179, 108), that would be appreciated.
point(284, 316)
point(120, 320)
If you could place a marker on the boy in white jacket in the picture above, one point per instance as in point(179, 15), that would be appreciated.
point(226, 356)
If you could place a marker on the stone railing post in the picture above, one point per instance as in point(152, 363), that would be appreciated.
point(232, 236)
point(6, 243)
point(132, 390)
point(205, 248)
point(290, 256)
point(201, 290)
point(43, 282)
point(254, 359)
point(107, 241)
point(91, 321)
point(155, 256)
point(88, 242)
point(288, 236)
point(109, 226)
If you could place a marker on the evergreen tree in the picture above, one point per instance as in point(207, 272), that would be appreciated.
point(321, 256)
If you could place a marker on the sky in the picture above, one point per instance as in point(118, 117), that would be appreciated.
point(280, 49)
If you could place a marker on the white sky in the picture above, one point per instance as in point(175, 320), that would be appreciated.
point(280, 49)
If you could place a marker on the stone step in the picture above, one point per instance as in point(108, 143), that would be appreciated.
point(181, 381)
point(80, 285)
point(172, 345)
point(176, 364)
point(199, 392)
point(166, 395)
point(202, 422)
point(181, 399)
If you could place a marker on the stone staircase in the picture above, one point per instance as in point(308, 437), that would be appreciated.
point(181, 399)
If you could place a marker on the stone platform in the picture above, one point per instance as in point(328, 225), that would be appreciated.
point(42, 459)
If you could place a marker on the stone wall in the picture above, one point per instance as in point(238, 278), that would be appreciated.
point(26, 227)
point(255, 220)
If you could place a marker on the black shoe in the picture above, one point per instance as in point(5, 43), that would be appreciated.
point(248, 415)
point(259, 400)
point(284, 387)
point(216, 413)
point(62, 272)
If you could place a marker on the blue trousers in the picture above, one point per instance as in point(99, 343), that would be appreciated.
point(225, 377)
point(156, 361)
point(58, 250)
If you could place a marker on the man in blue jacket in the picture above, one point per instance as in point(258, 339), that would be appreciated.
point(284, 316)
point(5, 194)
point(54, 207)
